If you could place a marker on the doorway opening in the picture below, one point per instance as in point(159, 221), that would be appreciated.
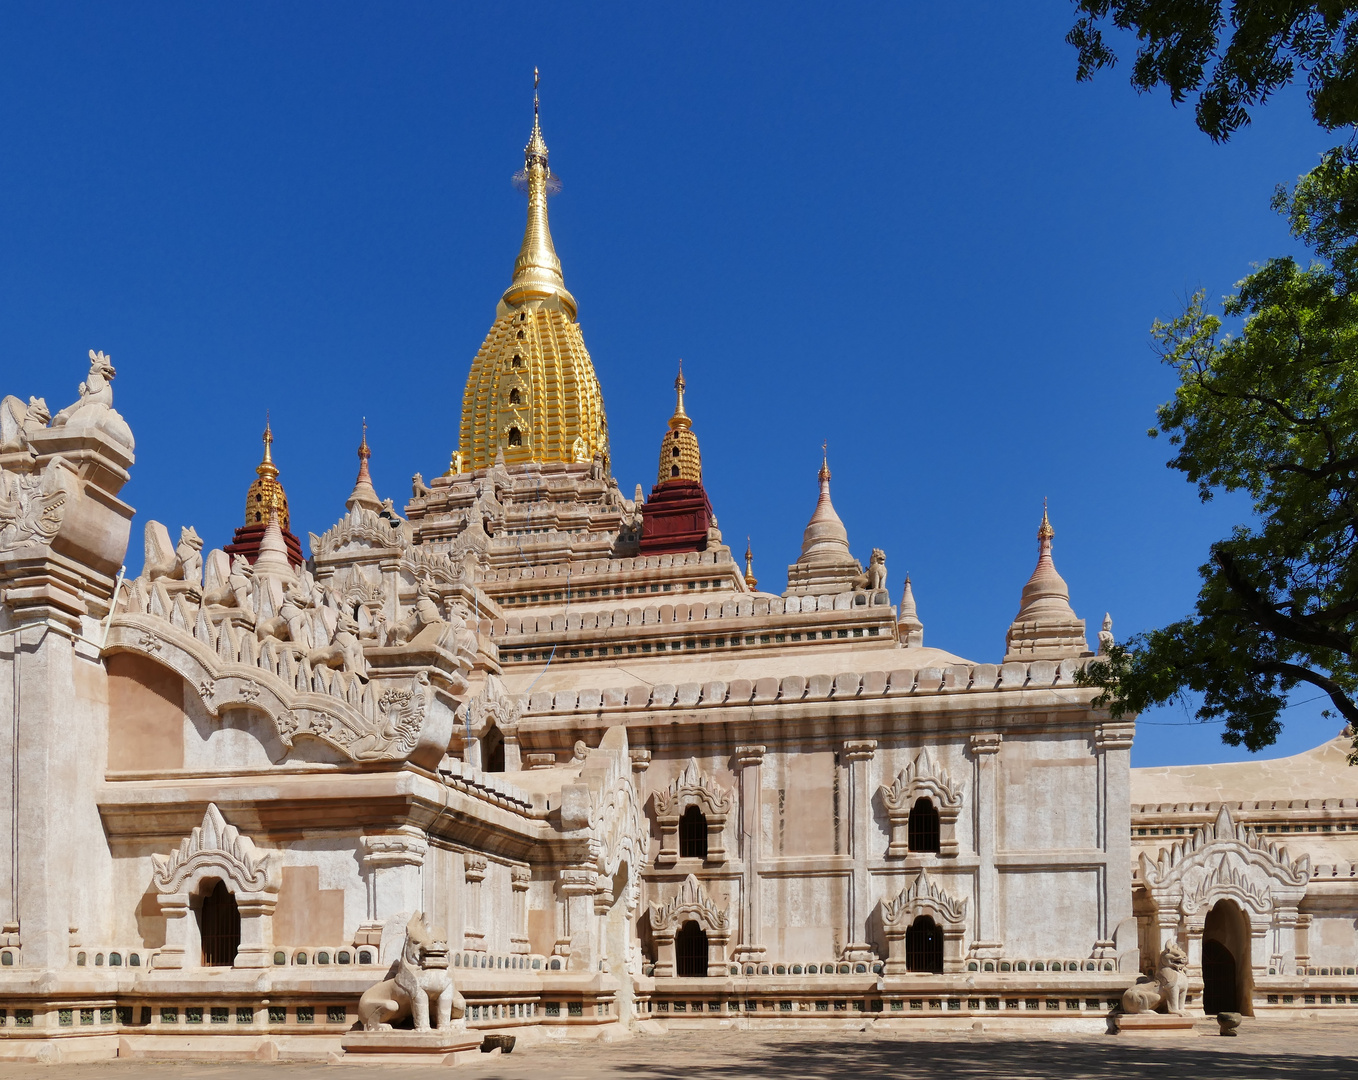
point(220, 927)
point(924, 946)
point(690, 951)
point(1226, 982)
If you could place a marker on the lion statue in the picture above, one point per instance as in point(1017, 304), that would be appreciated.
point(874, 577)
point(1169, 987)
point(18, 421)
point(422, 984)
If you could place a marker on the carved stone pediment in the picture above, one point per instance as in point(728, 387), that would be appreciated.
point(1225, 860)
point(495, 706)
point(922, 777)
point(216, 849)
point(693, 787)
point(924, 896)
point(359, 528)
point(690, 902)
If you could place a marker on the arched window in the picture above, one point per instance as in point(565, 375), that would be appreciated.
point(924, 946)
point(690, 951)
point(514, 396)
point(220, 926)
point(693, 835)
point(493, 751)
point(924, 826)
point(674, 470)
point(515, 439)
point(676, 452)
point(518, 360)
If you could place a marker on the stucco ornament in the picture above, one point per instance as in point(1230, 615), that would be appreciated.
point(216, 849)
point(31, 506)
point(422, 987)
point(1168, 988)
point(690, 902)
point(693, 787)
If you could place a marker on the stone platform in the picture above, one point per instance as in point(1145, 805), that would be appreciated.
point(1154, 1024)
point(450, 1047)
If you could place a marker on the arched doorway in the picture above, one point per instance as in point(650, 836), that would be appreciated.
point(924, 946)
point(1226, 982)
point(493, 750)
point(220, 927)
point(923, 827)
point(690, 951)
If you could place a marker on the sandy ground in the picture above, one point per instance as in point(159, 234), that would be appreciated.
point(1265, 1049)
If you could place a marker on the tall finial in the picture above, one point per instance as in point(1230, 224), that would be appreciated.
point(680, 418)
point(364, 494)
point(1045, 531)
point(824, 473)
point(751, 582)
point(266, 467)
point(537, 270)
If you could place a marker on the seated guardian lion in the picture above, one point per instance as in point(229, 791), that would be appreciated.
point(422, 984)
point(1168, 988)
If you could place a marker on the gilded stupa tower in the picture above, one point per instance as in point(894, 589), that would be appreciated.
point(532, 393)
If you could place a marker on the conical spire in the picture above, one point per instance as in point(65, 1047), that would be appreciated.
point(273, 551)
point(751, 582)
point(1046, 627)
point(537, 270)
point(825, 535)
point(364, 494)
point(908, 626)
point(1046, 596)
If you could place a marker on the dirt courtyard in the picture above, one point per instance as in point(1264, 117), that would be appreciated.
point(1265, 1050)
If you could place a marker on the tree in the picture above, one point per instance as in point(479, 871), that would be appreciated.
point(1234, 55)
point(1271, 411)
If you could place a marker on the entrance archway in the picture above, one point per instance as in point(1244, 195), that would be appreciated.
point(690, 948)
point(493, 750)
point(220, 927)
point(1226, 982)
point(924, 946)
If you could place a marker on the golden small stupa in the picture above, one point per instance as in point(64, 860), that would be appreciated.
point(680, 458)
point(532, 393)
point(266, 494)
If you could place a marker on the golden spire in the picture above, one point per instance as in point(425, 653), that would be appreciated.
point(537, 270)
point(532, 393)
point(751, 582)
point(824, 473)
point(680, 458)
point(1045, 532)
point(266, 494)
point(680, 418)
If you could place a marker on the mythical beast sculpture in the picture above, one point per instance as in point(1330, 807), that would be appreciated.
point(1168, 988)
point(422, 985)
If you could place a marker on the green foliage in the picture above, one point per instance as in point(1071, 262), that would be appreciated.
point(1234, 55)
point(1273, 412)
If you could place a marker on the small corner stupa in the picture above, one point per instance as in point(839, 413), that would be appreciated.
point(265, 500)
point(825, 565)
point(364, 494)
point(678, 515)
point(1046, 626)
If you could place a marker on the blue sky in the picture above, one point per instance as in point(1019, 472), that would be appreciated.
point(901, 228)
